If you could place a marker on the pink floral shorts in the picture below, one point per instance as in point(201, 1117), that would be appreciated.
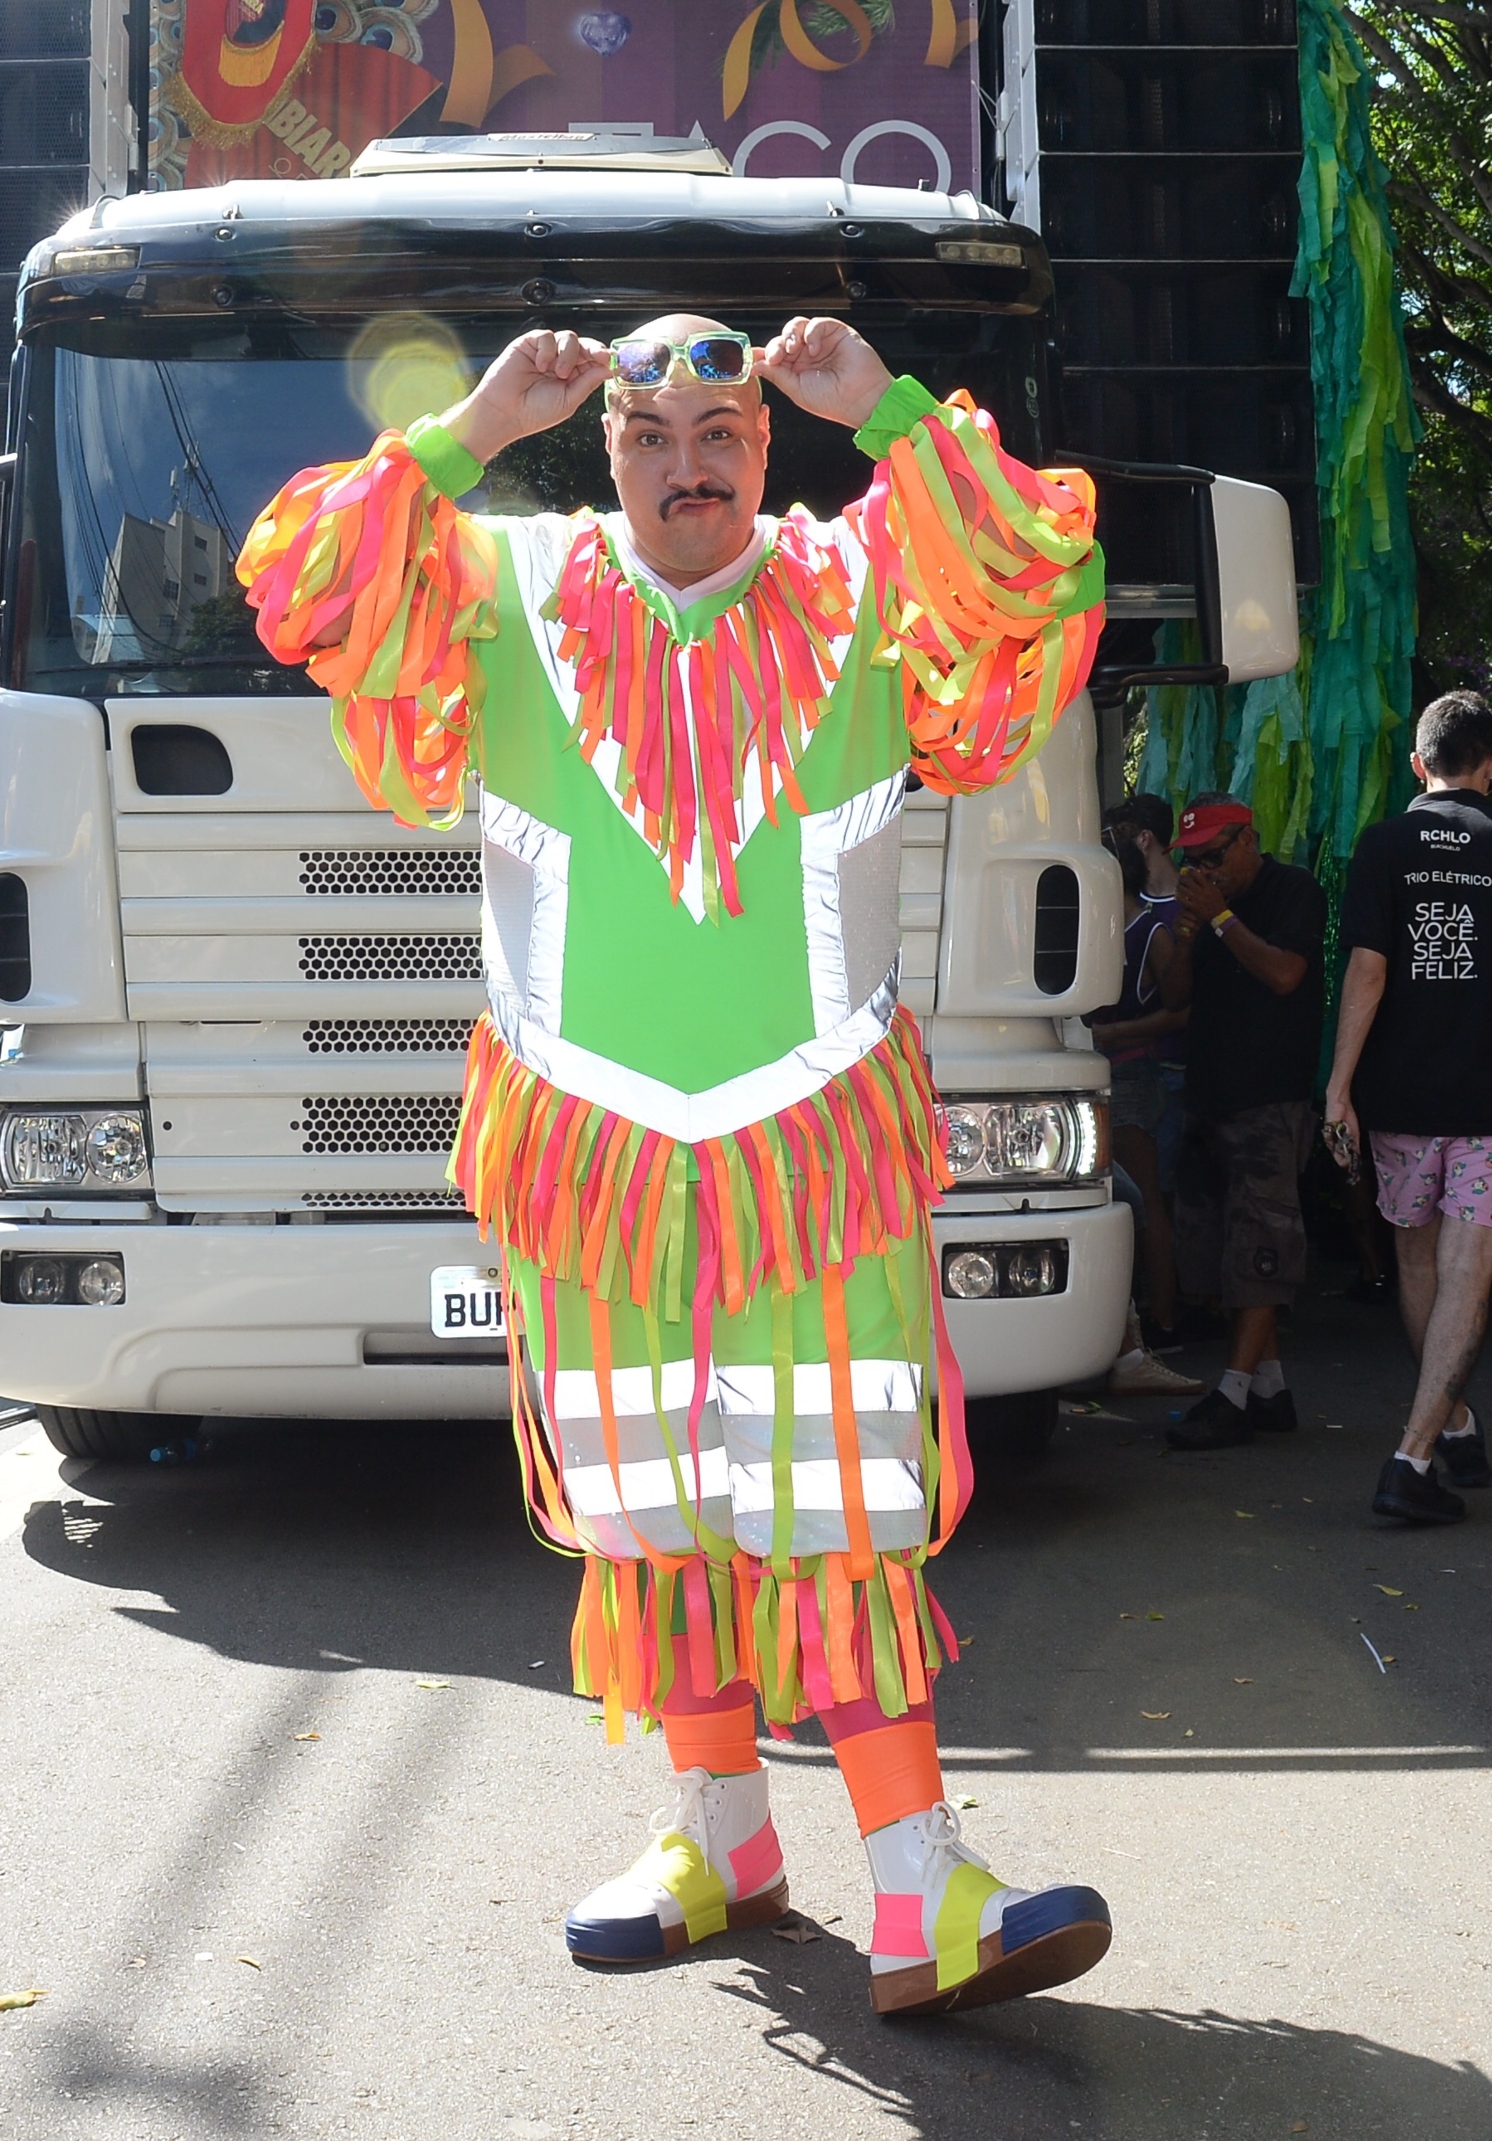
point(1420, 1176)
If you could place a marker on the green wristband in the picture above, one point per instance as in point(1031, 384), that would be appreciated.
point(905, 402)
point(445, 461)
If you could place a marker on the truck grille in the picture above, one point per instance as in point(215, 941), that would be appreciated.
point(383, 1200)
point(386, 872)
point(456, 958)
point(372, 1122)
point(387, 1036)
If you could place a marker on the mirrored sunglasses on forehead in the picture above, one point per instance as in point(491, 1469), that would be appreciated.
point(714, 359)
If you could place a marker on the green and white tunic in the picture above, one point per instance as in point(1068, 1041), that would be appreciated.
point(695, 1118)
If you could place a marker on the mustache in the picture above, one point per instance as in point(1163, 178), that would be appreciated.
point(722, 491)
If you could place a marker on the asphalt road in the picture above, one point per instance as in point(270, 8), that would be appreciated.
point(294, 1799)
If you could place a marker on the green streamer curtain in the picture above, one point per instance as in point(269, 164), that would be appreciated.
point(1325, 751)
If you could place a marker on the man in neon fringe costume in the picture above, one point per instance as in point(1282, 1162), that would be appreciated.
point(695, 1118)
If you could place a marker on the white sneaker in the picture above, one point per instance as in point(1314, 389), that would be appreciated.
point(1139, 1374)
point(714, 1865)
point(948, 1934)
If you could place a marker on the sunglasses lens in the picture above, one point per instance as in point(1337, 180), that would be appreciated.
point(642, 364)
point(714, 358)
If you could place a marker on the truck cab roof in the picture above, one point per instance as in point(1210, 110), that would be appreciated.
point(554, 222)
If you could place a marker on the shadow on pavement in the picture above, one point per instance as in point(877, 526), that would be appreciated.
point(1128, 1609)
point(1038, 2069)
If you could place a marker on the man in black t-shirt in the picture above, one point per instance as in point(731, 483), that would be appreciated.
point(1414, 1066)
point(1248, 961)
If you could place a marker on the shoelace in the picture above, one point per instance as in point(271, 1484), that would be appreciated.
point(942, 1833)
point(687, 1814)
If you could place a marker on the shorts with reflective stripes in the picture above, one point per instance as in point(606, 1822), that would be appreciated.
point(768, 1476)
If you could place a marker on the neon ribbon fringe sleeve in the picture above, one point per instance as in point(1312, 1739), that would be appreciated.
point(989, 581)
point(759, 683)
point(373, 550)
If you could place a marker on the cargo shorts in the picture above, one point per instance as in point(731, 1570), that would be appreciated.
point(1240, 1235)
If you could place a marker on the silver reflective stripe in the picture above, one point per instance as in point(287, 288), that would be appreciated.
point(720, 1109)
point(827, 837)
point(888, 1483)
point(540, 955)
point(645, 1486)
point(577, 1396)
point(875, 1386)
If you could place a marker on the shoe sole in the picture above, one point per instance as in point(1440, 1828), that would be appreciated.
point(666, 1940)
point(1047, 1959)
point(1388, 1505)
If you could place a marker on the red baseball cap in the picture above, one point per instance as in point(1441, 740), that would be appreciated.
point(1201, 822)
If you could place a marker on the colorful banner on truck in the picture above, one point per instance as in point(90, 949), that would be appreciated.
point(295, 88)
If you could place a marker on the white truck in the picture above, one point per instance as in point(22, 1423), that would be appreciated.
point(234, 1001)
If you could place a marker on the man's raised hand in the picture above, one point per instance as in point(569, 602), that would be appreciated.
point(826, 368)
point(533, 385)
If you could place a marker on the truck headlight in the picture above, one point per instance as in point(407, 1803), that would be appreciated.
point(1004, 1271)
point(75, 1150)
point(1025, 1141)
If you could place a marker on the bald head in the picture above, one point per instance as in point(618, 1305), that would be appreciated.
point(680, 327)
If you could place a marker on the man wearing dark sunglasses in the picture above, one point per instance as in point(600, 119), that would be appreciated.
point(1248, 962)
point(696, 1119)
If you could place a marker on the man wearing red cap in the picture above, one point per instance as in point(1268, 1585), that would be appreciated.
point(1249, 963)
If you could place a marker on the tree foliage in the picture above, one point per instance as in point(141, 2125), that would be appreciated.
point(1433, 124)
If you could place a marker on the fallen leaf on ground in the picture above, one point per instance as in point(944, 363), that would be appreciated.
point(249, 1960)
point(308, 1735)
point(432, 1687)
point(1129, 1616)
point(595, 1717)
point(1245, 1683)
point(1389, 1658)
point(964, 1641)
point(1243, 1512)
point(964, 1802)
point(534, 1664)
point(833, 1919)
point(1409, 1608)
point(1388, 1590)
point(1155, 1716)
point(1188, 1734)
point(1155, 1616)
point(29, 1998)
point(1300, 2127)
point(797, 1929)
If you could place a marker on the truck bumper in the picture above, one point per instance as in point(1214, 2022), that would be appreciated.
point(1008, 1346)
point(283, 1322)
point(333, 1322)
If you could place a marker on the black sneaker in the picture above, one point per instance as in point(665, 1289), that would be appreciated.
point(1214, 1423)
point(1465, 1456)
point(1273, 1416)
point(1415, 1497)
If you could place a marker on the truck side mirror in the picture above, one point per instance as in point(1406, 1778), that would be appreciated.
point(1258, 621)
point(1182, 542)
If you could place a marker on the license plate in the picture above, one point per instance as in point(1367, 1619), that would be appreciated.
point(466, 1300)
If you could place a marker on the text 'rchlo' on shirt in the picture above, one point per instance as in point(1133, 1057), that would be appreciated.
point(1247, 1045)
point(1419, 892)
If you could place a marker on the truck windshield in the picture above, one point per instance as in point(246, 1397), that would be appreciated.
point(148, 450)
